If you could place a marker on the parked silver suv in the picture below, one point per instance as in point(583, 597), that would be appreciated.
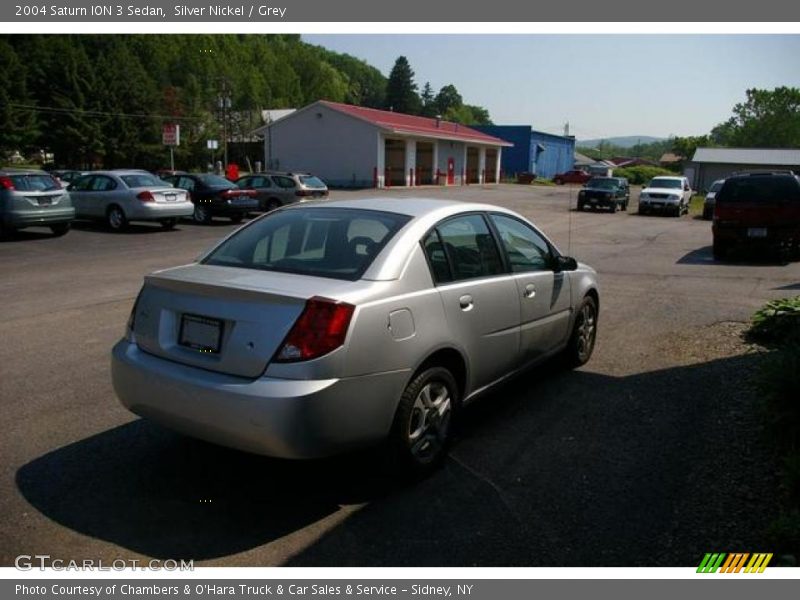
point(29, 197)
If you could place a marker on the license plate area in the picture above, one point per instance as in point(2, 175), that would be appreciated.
point(200, 333)
point(170, 197)
point(757, 232)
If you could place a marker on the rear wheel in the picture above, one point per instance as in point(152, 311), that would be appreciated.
point(421, 431)
point(116, 219)
point(273, 203)
point(584, 332)
point(5, 231)
point(169, 223)
point(59, 229)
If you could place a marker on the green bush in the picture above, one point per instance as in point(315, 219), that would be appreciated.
point(778, 322)
point(641, 174)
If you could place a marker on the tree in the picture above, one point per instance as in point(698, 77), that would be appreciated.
point(17, 123)
point(428, 101)
point(448, 98)
point(401, 91)
point(685, 146)
point(766, 119)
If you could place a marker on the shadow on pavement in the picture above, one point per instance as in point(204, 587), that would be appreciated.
point(557, 468)
point(132, 229)
point(705, 256)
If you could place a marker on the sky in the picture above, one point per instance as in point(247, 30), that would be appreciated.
point(603, 85)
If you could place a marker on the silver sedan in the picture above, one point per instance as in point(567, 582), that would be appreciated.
point(119, 197)
point(322, 327)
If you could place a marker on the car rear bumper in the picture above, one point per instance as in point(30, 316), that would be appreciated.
point(275, 417)
point(39, 216)
point(776, 236)
point(153, 211)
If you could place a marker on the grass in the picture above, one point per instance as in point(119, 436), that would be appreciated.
point(696, 205)
point(777, 325)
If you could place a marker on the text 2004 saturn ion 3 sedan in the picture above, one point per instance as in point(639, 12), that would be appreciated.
point(321, 327)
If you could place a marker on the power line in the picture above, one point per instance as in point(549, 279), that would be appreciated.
point(98, 113)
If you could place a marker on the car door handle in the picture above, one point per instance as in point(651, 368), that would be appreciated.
point(465, 302)
point(530, 291)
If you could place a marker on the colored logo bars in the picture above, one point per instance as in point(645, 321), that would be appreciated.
point(733, 563)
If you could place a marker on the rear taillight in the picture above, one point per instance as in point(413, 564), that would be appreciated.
point(146, 196)
point(6, 183)
point(132, 318)
point(320, 329)
point(302, 193)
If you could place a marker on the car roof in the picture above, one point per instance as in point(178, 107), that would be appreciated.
point(412, 207)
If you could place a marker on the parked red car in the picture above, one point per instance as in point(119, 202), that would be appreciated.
point(759, 210)
point(574, 176)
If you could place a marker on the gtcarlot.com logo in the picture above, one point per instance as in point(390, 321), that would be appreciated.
point(734, 563)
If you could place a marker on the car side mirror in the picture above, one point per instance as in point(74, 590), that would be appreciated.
point(565, 263)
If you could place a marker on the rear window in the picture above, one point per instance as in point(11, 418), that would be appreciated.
point(716, 186)
point(760, 189)
point(340, 243)
point(215, 181)
point(139, 181)
point(35, 182)
point(312, 181)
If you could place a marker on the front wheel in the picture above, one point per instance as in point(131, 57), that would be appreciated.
point(423, 422)
point(584, 333)
point(116, 219)
point(201, 214)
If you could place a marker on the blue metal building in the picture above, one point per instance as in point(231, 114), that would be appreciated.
point(544, 154)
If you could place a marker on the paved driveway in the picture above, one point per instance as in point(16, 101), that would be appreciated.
point(652, 454)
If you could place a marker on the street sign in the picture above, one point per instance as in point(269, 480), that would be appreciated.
point(213, 144)
point(171, 134)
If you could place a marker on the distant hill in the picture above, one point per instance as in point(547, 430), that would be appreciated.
point(625, 141)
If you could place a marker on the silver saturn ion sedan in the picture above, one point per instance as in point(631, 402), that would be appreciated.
point(321, 327)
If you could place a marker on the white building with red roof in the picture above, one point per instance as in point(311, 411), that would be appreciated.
point(353, 146)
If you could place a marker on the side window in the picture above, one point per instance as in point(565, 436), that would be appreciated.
point(245, 183)
point(103, 184)
point(260, 182)
point(283, 182)
point(434, 250)
point(470, 247)
point(526, 249)
point(83, 184)
point(186, 183)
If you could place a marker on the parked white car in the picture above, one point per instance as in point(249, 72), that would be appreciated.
point(667, 195)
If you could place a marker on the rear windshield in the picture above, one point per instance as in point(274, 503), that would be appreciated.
point(603, 184)
point(312, 181)
point(215, 181)
point(716, 186)
point(666, 183)
point(35, 182)
point(340, 243)
point(760, 189)
point(143, 180)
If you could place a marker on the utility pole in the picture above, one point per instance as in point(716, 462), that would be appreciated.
point(224, 106)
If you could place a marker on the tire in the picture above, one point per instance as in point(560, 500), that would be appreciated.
point(423, 423)
point(169, 224)
point(707, 214)
point(116, 219)
point(273, 203)
point(720, 250)
point(236, 219)
point(6, 232)
point(581, 206)
point(582, 339)
point(201, 214)
point(613, 208)
point(59, 229)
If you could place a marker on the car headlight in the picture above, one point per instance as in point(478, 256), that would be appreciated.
point(675, 198)
point(643, 196)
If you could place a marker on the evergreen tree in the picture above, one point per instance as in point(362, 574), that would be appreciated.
point(429, 108)
point(401, 91)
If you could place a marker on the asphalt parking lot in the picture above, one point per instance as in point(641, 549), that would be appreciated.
point(651, 454)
